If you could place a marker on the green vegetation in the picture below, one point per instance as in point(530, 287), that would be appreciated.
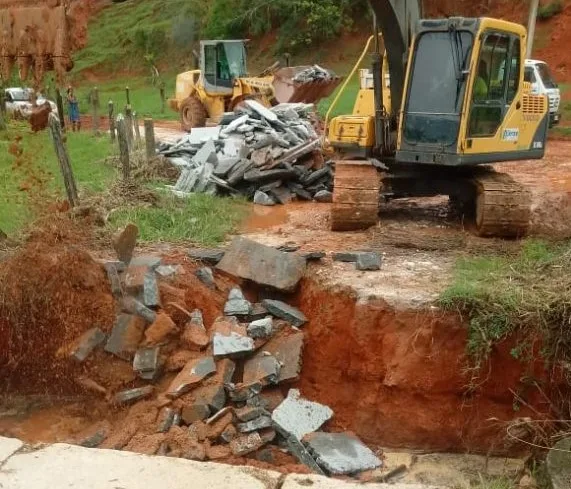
point(346, 101)
point(527, 294)
point(202, 219)
point(550, 10)
point(495, 483)
point(32, 180)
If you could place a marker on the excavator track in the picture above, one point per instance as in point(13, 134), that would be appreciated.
point(356, 196)
point(502, 207)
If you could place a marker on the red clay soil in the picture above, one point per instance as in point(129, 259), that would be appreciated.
point(398, 379)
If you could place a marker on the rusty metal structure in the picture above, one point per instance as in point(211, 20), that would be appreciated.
point(37, 36)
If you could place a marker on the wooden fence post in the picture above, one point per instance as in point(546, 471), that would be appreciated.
point(150, 138)
point(163, 97)
point(123, 147)
point(59, 103)
point(137, 129)
point(94, 96)
point(2, 110)
point(63, 158)
point(111, 120)
point(129, 126)
point(128, 94)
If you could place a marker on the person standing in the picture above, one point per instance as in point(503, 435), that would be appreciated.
point(73, 110)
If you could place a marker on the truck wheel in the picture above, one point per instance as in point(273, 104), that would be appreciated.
point(192, 114)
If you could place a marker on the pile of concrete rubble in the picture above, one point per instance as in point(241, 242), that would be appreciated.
point(224, 397)
point(269, 155)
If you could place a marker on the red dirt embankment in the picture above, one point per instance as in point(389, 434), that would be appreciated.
point(398, 379)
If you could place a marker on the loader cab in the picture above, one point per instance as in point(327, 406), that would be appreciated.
point(465, 98)
point(221, 63)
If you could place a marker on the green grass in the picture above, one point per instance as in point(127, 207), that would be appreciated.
point(202, 219)
point(527, 294)
point(495, 483)
point(345, 103)
point(17, 207)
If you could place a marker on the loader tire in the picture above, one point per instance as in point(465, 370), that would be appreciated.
point(192, 114)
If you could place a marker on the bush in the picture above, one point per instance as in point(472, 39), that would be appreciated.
point(550, 10)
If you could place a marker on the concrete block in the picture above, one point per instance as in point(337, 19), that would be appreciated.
point(288, 351)
point(263, 368)
point(298, 417)
point(237, 305)
point(192, 374)
point(133, 395)
point(341, 453)
point(262, 328)
point(323, 196)
point(255, 424)
point(133, 306)
point(146, 362)
point(286, 312)
point(126, 336)
point(261, 198)
point(368, 261)
point(124, 242)
point(207, 255)
point(243, 445)
point(206, 276)
point(263, 264)
point(8, 447)
point(151, 294)
point(229, 339)
point(86, 343)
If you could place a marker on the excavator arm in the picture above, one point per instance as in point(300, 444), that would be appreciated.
point(396, 20)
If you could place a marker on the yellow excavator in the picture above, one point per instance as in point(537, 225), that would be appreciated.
point(222, 83)
point(447, 97)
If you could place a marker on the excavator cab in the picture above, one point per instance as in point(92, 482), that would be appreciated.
point(465, 100)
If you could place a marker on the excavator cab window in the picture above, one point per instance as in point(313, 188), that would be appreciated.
point(437, 87)
point(496, 83)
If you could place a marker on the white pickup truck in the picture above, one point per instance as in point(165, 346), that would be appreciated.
point(538, 74)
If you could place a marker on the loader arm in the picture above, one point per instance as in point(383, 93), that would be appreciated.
point(397, 20)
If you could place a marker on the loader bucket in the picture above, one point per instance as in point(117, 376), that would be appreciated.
point(289, 90)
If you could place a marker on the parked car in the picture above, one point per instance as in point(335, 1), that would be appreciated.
point(538, 74)
point(19, 102)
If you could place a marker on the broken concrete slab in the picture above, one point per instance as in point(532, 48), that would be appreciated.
point(150, 261)
point(288, 352)
point(135, 278)
point(229, 433)
point(225, 164)
point(214, 396)
point(190, 376)
point(243, 392)
point(206, 154)
point(207, 255)
point(244, 445)
point(324, 197)
point(262, 264)
point(268, 400)
point(286, 312)
point(124, 242)
point(133, 306)
point(248, 413)
point(194, 335)
point(166, 419)
point(229, 339)
point(133, 395)
point(314, 255)
point(237, 305)
point(262, 328)
point(112, 270)
point(206, 276)
point(8, 447)
point(86, 343)
point(257, 312)
point(151, 294)
point(146, 362)
point(341, 453)
point(347, 256)
point(261, 198)
point(298, 417)
point(168, 271)
point(195, 412)
point(260, 109)
point(559, 464)
point(368, 261)
point(256, 424)
point(126, 336)
point(263, 368)
point(202, 134)
point(298, 450)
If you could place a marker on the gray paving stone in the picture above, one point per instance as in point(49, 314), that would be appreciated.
point(368, 261)
point(151, 294)
point(255, 424)
point(263, 368)
point(262, 328)
point(133, 395)
point(286, 312)
point(206, 276)
point(207, 255)
point(86, 343)
point(125, 337)
point(237, 305)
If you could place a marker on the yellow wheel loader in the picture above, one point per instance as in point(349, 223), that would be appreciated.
point(453, 100)
point(222, 83)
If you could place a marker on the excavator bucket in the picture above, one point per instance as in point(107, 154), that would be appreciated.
point(307, 84)
point(39, 35)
